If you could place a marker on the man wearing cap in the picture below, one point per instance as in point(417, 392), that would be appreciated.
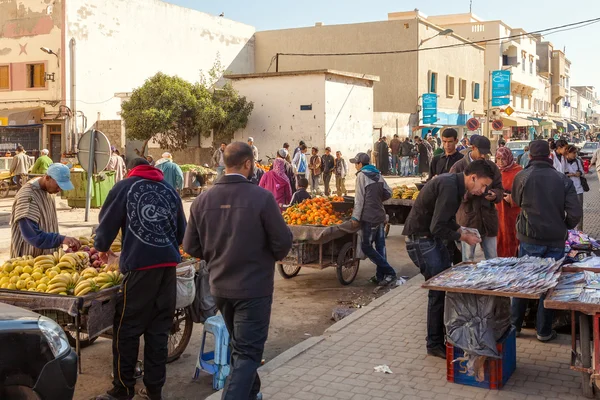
point(34, 223)
point(549, 208)
point(219, 161)
point(254, 148)
point(117, 164)
point(371, 191)
point(171, 171)
point(42, 163)
point(328, 163)
point(479, 211)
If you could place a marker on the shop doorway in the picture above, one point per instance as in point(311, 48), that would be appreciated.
point(55, 136)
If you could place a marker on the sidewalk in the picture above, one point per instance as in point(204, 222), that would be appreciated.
point(391, 330)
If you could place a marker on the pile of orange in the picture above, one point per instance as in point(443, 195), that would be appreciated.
point(317, 211)
point(337, 199)
point(265, 168)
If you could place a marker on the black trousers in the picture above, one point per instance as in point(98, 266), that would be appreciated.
point(145, 306)
point(326, 182)
point(248, 324)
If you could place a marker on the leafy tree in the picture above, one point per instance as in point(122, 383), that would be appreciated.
point(233, 113)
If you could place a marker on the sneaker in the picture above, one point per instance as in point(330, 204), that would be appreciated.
point(374, 280)
point(116, 394)
point(548, 338)
point(387, 280)
point(143, 393)
point(439, 351)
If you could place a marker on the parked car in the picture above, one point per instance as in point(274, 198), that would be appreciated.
point(36, 360)
point(588, 149)
point(517, 147)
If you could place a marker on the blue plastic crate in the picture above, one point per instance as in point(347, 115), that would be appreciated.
point(497, 371)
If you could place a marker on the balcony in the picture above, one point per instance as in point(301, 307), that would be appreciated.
point(558, 92)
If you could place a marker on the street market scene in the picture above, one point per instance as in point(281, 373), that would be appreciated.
point(254, 205)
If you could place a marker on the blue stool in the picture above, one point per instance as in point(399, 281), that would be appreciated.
point(216, 362)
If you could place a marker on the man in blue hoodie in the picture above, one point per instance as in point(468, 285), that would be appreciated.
point(371, 191)
point(149, 214)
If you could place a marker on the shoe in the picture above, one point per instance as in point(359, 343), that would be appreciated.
point(143, 393)
point(387, 280)
point(548, 338)
point(374, 280)
point(116, 394)
point(439, 351)
point(518, 333)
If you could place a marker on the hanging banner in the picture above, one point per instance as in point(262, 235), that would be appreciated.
point(500, 88)
point(429, 108)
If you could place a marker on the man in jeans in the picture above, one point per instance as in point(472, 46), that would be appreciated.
point(395, 150)
point(315, 168)
point(549, 208)
point(238, 229)
point(406, 151)
point(328, 164)
point(371, 191)
point(430, 225)
point(219, 161)
point(479, 211)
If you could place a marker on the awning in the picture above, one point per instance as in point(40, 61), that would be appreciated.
point(586, 127)
point(21, 116)
point(577, 124)
point(516, 121)
point(571, 128)
point(559, 123)
point(548, 124)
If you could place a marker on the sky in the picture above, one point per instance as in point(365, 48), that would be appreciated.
point(582, 45)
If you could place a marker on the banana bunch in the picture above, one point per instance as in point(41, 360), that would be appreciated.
point(85, 286)
point(115, 247)
point(89, 272)
point(86, 241)
point(44, 262)
point(105, 280)
point(72, 262)
point(408, 193)
point(61, 284)
point(415, 195)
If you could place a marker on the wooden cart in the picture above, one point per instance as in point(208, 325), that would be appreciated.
point(397, 211)
point(321, 247)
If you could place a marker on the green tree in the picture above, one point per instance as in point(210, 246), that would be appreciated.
point(169, 110)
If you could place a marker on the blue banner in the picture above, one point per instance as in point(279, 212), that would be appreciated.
point(500, 101)
point(429, 108)
point(500, 88)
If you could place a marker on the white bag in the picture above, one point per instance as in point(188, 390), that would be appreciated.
point(186, 287)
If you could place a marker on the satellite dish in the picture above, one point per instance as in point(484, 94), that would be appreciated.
point(102, 151)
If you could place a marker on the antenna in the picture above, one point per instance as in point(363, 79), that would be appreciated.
point(471, 7)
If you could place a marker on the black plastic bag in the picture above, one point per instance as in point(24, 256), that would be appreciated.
point(204, 305)
point(475, 323)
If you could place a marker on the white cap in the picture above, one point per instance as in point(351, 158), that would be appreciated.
point(166, 154)
point(45, 151)
point(251, 139)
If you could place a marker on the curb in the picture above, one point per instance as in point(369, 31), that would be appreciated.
point(307, 344)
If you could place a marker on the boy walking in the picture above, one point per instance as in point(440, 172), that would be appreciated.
point(315, 167)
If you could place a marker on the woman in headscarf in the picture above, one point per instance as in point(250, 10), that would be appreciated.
point(277, 182)
point(289, 170)
point(507, 211)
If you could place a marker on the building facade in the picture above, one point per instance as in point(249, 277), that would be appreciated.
point(93, 50)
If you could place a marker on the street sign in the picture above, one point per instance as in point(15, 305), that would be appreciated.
point(473, 124)
point(101, 151)
point(500, 88)
point(509, 110)
point(429, 108)
point(497, 125)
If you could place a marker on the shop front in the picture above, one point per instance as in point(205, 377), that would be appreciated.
point(21, 127)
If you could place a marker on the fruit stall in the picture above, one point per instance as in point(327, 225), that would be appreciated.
point(398, 207)
point(196, 177)
point(323, 237)
point(79, 292)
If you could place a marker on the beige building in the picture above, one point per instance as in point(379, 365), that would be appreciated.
point(324, 108)
point(388, 49)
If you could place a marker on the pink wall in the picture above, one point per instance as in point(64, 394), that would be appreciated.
point(18, 75)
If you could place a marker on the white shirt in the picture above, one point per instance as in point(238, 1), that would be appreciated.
point(573, 168)
point(559, 162)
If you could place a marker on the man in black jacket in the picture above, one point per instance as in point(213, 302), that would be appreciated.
point(442, 163)
point(407, 154)
point(149, 214)
point(238, 229)
point(430, 225)
point(328, 163)
point(549, 208)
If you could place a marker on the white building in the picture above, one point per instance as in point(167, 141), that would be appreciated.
point(324, 108)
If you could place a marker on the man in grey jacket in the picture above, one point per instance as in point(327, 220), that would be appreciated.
point(237, 228)
point(371, 192)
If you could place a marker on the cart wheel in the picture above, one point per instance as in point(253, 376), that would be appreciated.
point(180, 334)
point(347, 265)
point(288, 271)
point(586, 354)
point(387, 229)
point(4, 189)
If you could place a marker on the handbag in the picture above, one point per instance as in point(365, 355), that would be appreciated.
point(583, 179)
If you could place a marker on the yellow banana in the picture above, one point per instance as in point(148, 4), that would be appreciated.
point(107, 285)
point(45, 257)
point(58, 290)
point(61, 279)
point(60, 286)
point(84, 291)
point(64, 264)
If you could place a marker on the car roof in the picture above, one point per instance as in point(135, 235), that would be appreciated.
point(9, 313)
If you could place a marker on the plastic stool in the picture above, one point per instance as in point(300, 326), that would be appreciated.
point(216, 362)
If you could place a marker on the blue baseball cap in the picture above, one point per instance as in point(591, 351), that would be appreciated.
point(61, 174)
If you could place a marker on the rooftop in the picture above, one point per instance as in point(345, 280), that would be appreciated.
point(344, 74)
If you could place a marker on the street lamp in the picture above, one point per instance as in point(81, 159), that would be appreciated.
point(445, 32)
point(50, 51)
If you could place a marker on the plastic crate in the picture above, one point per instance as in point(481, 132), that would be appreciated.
point(497, 371)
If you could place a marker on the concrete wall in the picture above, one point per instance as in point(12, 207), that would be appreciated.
point(390, 124)
point(277, 117)
point(121, 43)
point(112, 130)
point(25, 26)
point(395, 92)
point(348, 115)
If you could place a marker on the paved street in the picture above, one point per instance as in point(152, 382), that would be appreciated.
point(391, 331)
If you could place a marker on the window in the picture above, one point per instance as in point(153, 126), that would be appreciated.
point(449, 86)
point(462, 89)
point(523, 60)
point(433, 82)
point(476, 91)
point(4, 77)
point(36, 75)
point(531, 64)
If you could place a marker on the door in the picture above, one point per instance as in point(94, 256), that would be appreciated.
point(55, 135)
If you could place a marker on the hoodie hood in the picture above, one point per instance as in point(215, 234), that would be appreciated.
point(371, 172)
point(147, 172)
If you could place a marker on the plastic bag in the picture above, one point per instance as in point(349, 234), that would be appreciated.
point(475, 323)
point(204, 305)
point(186, 288)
